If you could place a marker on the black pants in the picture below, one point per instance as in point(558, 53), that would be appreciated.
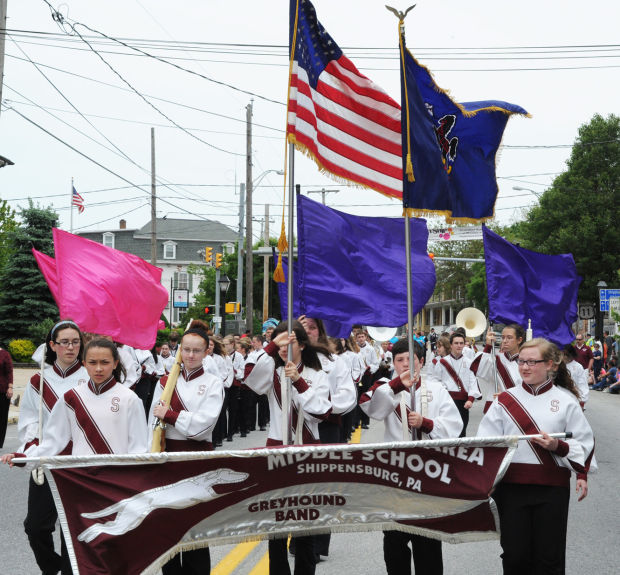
point(221, 427)
point(427, 554)
point(39, 525)
point(460, 405)
point(196, 562)
point(305, 560)
point(236, 415)
point(533, 521)
point(144, 390)
point(249, 402)
point(365, 384)
point(263, 410)
point(5, 403)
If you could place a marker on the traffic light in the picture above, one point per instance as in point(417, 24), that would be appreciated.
point(232, 307)
point(208, 254)
point(209, 309)
point(218, 260)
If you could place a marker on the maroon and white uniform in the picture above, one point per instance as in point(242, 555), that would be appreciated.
point(456, 376)
point(309, 395)
point(484, 369)
point(194, 409)
point(524, 411)
point(384, 399)
point(370, 358)
point(107, 420)
point(343, 394)
point(354, 364)
point(56, 383)
point(580, 377)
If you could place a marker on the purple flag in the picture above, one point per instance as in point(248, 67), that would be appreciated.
point(351, 269)
point(526, 285)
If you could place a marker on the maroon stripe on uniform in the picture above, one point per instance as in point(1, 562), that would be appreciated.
point(504, 373)
point(453, 375)
point(87, 424)
point(526, 424)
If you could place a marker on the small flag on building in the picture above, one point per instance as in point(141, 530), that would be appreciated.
point(77, 201)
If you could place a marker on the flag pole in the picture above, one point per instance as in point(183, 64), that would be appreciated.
point(287, 438)
point(71, 208)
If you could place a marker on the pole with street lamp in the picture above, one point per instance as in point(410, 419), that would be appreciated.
point(223, 283)
point(600, 314)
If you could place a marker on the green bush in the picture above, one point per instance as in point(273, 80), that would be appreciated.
point(38, 331)
point(21, 350)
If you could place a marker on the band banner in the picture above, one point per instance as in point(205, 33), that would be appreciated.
point(130, 514)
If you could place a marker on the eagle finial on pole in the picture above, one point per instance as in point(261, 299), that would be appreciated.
point(400, 15)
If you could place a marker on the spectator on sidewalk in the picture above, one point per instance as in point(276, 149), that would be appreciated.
point(597, 365)
point(584, 353)
point(6, 391)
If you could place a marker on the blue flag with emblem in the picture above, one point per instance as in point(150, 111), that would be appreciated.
point(449, 148)
point(524, 285)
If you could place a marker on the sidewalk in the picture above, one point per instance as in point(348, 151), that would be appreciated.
point(21, 377)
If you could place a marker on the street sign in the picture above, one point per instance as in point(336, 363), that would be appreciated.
point(217, 319)
point(180, 298)
point(614, 304)
point(607, 294)
point(587, 311)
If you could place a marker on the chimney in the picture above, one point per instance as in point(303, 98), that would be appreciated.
point(122, 225)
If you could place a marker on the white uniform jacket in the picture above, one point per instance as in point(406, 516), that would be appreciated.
point(167, 362)
point(238, 362)
point(484, 369)
point(310, 396)
point(370, 359)
point(524, 411)
point(56, 383)
point(343, 394)
point(132, 366)
point(580, 377)
point(355, 365)
point(108, 420)
point(195, 405)
point(456, 376)
point(384, 399)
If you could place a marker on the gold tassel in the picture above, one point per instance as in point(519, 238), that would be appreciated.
point(278, 274)
point(409, 170)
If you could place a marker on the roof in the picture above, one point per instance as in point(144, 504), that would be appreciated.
point(180, 229)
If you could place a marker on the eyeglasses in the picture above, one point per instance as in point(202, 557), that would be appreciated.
point(530, 362)
point(68, 342)
point(188, 351)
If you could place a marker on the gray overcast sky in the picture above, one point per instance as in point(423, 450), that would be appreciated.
point(559, 60)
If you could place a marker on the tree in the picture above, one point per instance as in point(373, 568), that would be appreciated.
point(8, 223)
point(578, 213)
point(25, 298)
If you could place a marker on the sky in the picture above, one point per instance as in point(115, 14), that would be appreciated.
point(558, 60)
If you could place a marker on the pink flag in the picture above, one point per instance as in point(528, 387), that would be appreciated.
point(106, 291)
point(47, 265)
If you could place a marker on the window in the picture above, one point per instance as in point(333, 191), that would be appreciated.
point(183, 280)
point(228, 248)
point(108, 239)
point(170, 250)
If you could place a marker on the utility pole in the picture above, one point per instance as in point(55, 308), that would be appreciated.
point(323, 192)
point(266, 277)
point(153, 203)
point(249, 275)
point(2, 40)
point(240, 247)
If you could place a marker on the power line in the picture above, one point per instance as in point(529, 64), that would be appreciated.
point(232, 118)
point(58, 17)
point(92, 159)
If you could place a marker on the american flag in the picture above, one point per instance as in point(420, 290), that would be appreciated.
point(78, 201)
point(344, 121)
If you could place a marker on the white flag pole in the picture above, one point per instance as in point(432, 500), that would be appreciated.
point(71, 207)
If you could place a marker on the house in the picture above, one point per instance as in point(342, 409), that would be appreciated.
point(180, 243)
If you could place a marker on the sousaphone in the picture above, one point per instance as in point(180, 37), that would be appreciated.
point(472, 320)
point(381, 333)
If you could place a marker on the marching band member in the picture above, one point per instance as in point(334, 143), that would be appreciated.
point(63, 371)
point(454, 373)
point(190, 418)
point(356, 367)
point(384, 401)
point(578, 374)
point(132, 368)
point(343, 397)
point(167, 358)
point(309, 405)
point(102, 416)
point(533, 496)
point(371, 365)
point(226, 373)
point(505, 364)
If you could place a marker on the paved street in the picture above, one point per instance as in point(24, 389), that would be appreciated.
point(592, 538)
